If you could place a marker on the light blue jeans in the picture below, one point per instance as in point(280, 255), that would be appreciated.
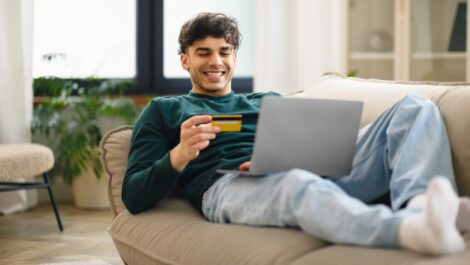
point(398, 153)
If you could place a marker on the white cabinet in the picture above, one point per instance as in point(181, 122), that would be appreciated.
point(407, 39)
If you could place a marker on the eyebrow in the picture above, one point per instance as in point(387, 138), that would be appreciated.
point(200, 49)
point(226, 48)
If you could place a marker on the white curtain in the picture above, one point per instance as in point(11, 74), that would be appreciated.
point(16, 34)
point(296, 42)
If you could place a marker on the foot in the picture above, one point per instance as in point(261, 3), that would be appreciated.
point(463, 217)
point(433, 230)
point(418, 201)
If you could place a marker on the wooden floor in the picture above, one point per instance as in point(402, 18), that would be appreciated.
point(33, 237)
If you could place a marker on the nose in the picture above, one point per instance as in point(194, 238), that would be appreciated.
point(215, 59)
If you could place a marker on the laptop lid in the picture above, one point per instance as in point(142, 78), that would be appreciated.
point(317, 135)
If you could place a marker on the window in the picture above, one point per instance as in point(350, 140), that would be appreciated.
point(129, 39)
point(83, 38)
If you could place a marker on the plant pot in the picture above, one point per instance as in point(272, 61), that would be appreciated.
point(90, 192)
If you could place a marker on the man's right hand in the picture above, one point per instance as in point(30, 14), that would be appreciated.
point(196, 132)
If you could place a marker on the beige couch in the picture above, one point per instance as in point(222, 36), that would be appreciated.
point(174, 233)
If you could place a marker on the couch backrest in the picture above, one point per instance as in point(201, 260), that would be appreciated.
point(453, 100)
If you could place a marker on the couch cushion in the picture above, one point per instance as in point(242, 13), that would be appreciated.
point(452, 99)
point(174, 233)
point(351, 255)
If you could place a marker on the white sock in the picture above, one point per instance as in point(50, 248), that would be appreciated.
point(418, 201)
point(433, 230)
point(463, 218)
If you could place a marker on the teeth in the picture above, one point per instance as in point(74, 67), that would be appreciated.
point(214, 74)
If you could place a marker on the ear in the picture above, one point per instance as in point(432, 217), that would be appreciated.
point(184, 58)
point(235, 57)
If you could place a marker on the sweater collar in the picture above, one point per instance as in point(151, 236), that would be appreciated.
point(197, 95)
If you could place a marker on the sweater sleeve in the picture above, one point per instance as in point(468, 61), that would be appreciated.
point(149, 175)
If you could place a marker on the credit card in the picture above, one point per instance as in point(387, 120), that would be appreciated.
point(227, 123)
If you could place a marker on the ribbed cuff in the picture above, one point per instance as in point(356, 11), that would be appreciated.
point(165, 172)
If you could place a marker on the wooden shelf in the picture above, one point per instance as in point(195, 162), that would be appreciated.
point(438, 55)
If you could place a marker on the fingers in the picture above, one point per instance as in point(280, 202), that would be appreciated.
point(204, 129)
point(196, 125)
point(196, 120)
point(245, 166)
point(200, 138)
point(196, 133)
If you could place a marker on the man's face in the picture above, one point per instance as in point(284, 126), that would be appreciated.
point(210, 63)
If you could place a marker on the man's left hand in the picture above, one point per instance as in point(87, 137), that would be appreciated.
point(245, 166)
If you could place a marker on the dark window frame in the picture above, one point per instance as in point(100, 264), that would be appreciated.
point(150, 78)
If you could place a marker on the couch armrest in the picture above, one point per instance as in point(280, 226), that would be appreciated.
point(114, 148)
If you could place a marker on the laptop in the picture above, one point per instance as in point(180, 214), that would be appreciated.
point(318, 135)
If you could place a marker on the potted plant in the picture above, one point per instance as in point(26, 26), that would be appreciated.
point(70, 120)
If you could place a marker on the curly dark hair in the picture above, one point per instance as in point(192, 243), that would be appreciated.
point(216, 25)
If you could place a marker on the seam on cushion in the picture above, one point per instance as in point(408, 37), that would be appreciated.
point(404, 82)
point(308, 252)
point(102, 144)
point(440, 98)
point(136, 248)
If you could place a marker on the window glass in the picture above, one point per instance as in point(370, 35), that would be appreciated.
point(176, 12)
point(83, 38)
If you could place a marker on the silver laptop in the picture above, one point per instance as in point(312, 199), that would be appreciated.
point(317, 135)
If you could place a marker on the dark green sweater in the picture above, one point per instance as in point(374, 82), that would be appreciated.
point(150, 176)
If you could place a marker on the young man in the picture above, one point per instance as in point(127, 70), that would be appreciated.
point(173, 143)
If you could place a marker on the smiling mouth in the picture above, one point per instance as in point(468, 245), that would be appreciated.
point(214, 75)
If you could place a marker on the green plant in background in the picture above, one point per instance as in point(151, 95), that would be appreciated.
point(70, 117)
